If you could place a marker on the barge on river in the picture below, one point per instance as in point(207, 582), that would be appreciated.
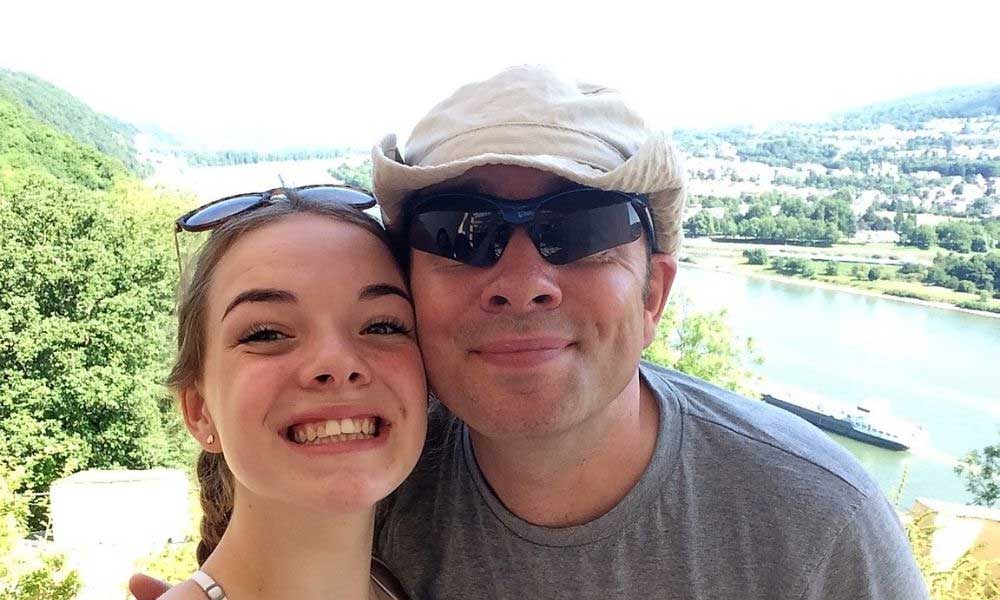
point(858, 423)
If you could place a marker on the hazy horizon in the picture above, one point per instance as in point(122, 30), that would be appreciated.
point(238, 76)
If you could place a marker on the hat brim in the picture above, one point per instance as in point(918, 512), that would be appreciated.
point(653, 170)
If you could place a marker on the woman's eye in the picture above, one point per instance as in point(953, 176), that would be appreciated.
point(261, 333)
point(388, 326)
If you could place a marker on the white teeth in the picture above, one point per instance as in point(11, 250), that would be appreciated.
point(334, 430)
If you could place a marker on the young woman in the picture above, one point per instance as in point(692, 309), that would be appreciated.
point(299, 375)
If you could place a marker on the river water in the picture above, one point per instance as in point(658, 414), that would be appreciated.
point(935, 368)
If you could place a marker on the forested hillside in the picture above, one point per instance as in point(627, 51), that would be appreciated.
point(87, 277)
point(67, 114)
point(908, 113)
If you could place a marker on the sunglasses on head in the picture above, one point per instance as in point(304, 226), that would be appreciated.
point(564, 226)
point(216, 213)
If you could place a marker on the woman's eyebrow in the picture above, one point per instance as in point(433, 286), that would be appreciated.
point(377, 290)
point(260, 295)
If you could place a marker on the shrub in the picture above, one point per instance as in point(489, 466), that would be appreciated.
point(968, 579)
point(907, 294)
point(975, 305)
point(44, 578)
point(874, 274)
point(756, 256)
point(704, 346)
point(966, 287)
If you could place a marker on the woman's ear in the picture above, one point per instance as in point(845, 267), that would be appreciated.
point(199, 420)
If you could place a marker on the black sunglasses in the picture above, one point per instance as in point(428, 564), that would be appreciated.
point(564, 226)
point(215, 213)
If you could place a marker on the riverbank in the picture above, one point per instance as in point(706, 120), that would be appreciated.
point(727, 258)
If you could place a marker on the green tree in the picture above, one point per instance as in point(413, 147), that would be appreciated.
point(955, 235)
point(874, 274)
point(703, 345)
point(356, 175)
point(922, 237)
point(87, 278)
point(981, 471)
point(756, 256)
point(836, 210)
point(793, 207)
point(700, 225)
point(832, 268)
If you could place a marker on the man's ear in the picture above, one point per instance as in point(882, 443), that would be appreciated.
point(662, 269)
point(198, 419)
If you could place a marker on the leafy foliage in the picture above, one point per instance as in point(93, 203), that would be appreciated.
point(244, 157)
point(87, 273)
point(26, 143)
point(981, 471)
point(356, 175)
point(45, 578)
point(68, 115)
point(968, 579)
point(755, 256)
point(703, 345)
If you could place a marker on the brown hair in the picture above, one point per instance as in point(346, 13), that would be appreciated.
point(214, 476)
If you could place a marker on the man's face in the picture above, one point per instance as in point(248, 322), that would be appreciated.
point(525, 348)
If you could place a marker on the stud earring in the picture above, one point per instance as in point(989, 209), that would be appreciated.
point(210, 439)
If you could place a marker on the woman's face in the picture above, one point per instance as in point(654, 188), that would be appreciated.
point(312, 382)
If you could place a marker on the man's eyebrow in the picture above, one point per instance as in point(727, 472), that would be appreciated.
point(377, 290)
point(260, 295)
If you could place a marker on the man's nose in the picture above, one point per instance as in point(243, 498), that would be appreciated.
point(522, 281)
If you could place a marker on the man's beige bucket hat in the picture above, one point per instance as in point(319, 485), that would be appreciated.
point(531, 117)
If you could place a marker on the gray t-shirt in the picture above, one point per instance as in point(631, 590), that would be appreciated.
point(741, 500)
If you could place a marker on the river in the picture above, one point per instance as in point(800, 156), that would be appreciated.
point(935, 368)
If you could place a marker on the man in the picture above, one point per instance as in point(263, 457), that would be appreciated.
point(557, 465)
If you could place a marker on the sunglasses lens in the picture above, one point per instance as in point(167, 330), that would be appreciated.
point(207, 216)
point(565, 228)
point(461, 229)
point(329, 193)
point(582, 223)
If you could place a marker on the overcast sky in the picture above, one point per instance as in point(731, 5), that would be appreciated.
point(270, 75)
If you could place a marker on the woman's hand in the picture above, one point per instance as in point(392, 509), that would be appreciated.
point(144, 587)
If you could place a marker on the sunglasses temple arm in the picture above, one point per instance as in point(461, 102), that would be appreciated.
point(177, 247)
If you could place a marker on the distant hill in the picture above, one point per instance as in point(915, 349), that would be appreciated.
point(67, 114)
point(29, 145)
point(909, 112)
